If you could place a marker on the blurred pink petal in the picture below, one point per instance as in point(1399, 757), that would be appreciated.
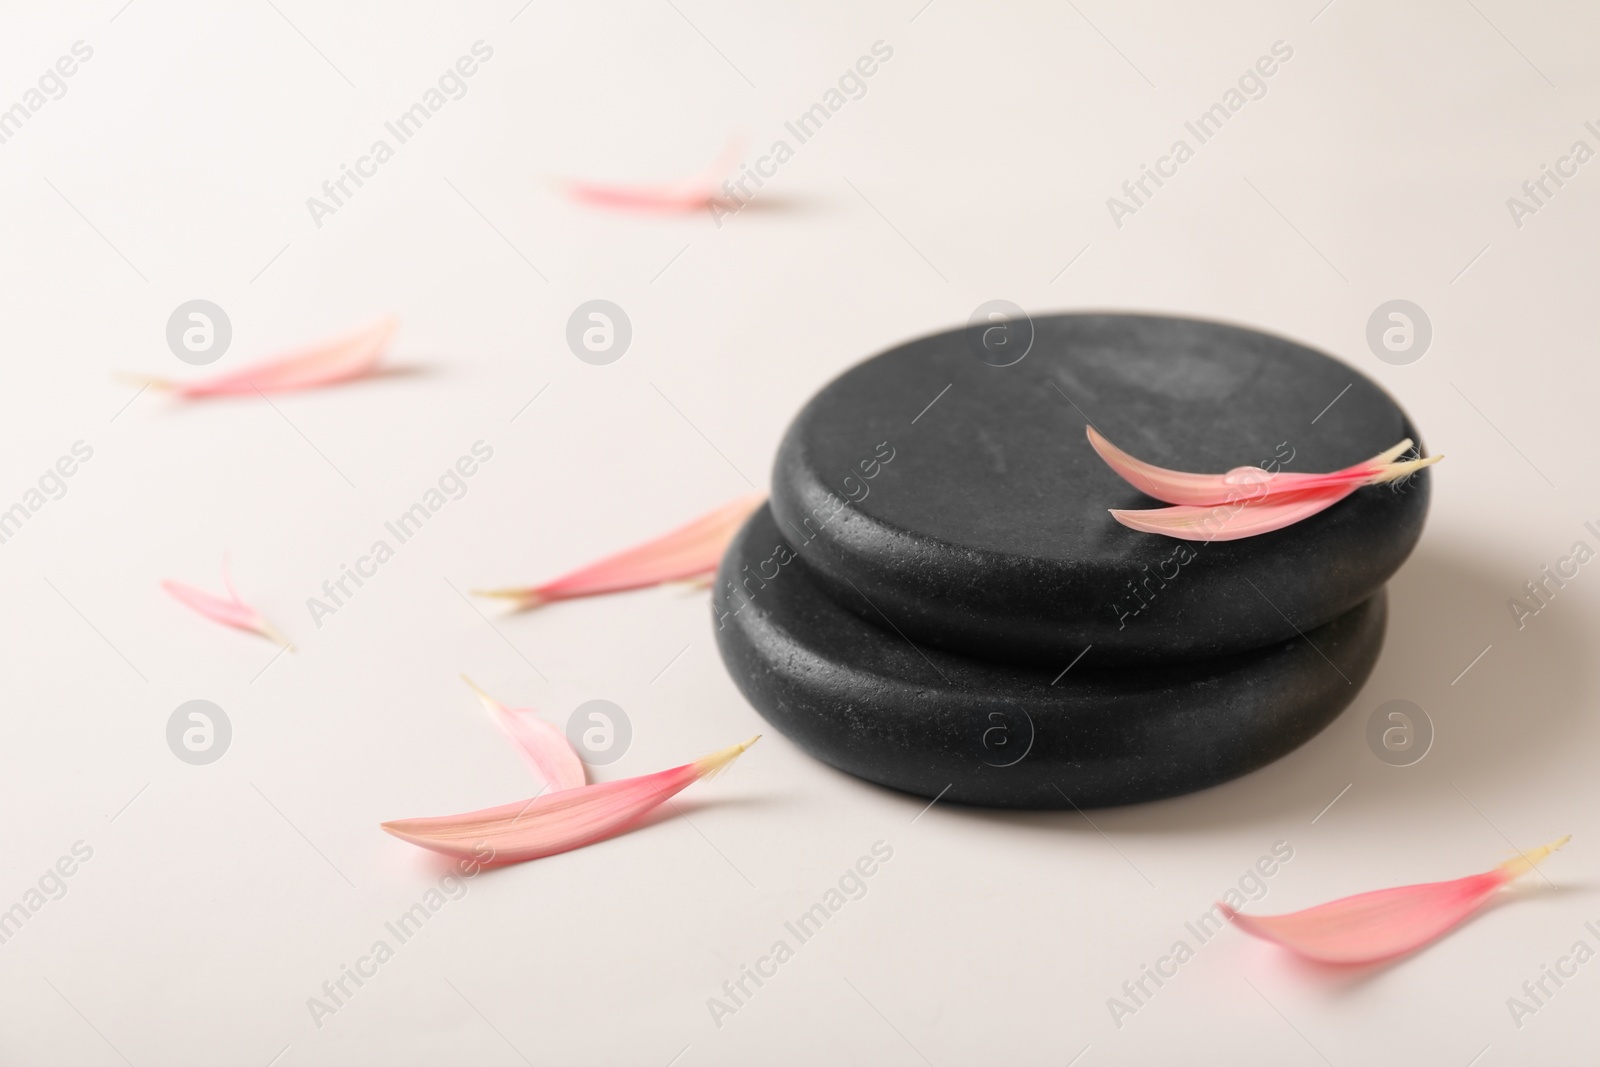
point(558, 822)
point(1379, 925)
point(688, 553)
point(692, 193)
point(340, 360)
point(1248, 483)
point(546, 747)
point(230, 612)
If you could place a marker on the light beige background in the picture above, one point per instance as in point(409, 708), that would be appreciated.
point(977, 166)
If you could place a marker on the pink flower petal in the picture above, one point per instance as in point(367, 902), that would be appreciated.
point(1379, 925)
point(1230, 522)
point(697, 191)
point(1247, 483)
point(546, 747)
point(334, 361)
point(230, 612)
point(688, 553)
point(558, 822)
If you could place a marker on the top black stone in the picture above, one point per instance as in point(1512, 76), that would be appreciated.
point(980, 524)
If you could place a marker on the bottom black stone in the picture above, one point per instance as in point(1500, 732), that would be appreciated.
point(866, 700)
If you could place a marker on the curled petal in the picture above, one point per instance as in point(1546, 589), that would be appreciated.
point(324, 364)
point(1249, 483)
point(558, 822)
point(1386, 923)
point(689, 553)
point(543, 745)
point(692, 193)
point(229, 612)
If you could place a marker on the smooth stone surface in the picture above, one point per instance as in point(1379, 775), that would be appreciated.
point(980, 524)
point(869, 702)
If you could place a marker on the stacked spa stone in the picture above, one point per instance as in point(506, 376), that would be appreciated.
point(936, 599)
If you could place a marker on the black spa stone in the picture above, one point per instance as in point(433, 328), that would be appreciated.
point(963, 501)
point(867, 700)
